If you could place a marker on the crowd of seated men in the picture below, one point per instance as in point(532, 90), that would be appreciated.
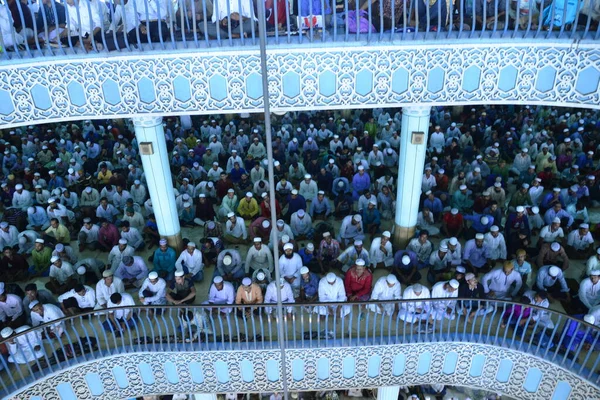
point(118, 24)
point(507, 197)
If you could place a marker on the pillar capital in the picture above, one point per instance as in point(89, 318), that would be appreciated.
point(147, 121)
point(416, 111)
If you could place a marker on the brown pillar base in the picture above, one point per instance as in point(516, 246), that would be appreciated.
point(175, 241)
point(402, 236)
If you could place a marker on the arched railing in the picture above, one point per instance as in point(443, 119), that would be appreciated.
point(563, 340)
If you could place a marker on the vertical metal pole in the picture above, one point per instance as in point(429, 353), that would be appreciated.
point(262, 34)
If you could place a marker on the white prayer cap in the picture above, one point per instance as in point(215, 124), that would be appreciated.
point(294, 191)
point(51, 200)
point(266, 223)
point(54, 259)
point(357, 217)
point(387, 234)
point(391, 279)
point(260, 276)
point(122, 241)
point(88, 189)
point(39, 241)
point(107, 273)
point(460, 269)
point(6, 332)
point(494, 228)
point(217, 279)
point(361, 167)
point(554, 271)
point(427, 193)
point(479, 236)
point(33, 304)
point(187, 204)
point(454, 283)
point(307, 176)
point(230, 214)
point(288, 246)
point(556, 220)
point(280, 222)
point(81, 270)
point(304, 270)
point(584, 226)
point(535, 209)
point(454, 211)
point(179, 273)
point(246, 281)
point(469, 276)
point(525, 185)
point(373, 202)
point(463, 187)
point(360, 262)
point(477, 169)
point(484, 220)
point(417, 288)
point(153, 275)
point(327, 234)
point(453, 124)
point(443, 248)
point(330, 277)
point(405, 259)
point(249, 194)
point(498, 185)
point(310, 246)
point(524, 150)
point(257, 240)
point(557, 190)
point(191, 244)
point(227, 260)
point(321, 192)
point(18, 186)
point(301, 213)
point(595, 272)
point(555, 246)
point(358, 242)
point(453, 241)
point(590, 319)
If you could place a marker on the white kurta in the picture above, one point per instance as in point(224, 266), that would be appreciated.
point(27, 348)
point(51, 313)
point(589, 294)
point(223, 296)
point(88, 300)
point(332, 293)
point(10, 238)
point(495, 246)
point(439, 307)
point(287, 296)
point(159, 289)
point(126, 301)
point(116, 256)
point(104, 292)
point(239, 230)
point(382, 291)
point(498, 282)
point(409, 311)
point(193, 261)
point(376, 255)
point(62, 274)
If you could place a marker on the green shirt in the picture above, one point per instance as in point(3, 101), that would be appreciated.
point(41, 259)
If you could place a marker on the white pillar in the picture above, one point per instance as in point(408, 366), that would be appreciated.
point(388, 392)
point(410, 171)
point(205, 396)
point(150, 135)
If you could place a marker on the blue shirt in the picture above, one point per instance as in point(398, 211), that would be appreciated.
point(477, 225)
point(311, 287)
point(306, 258)
point(434, 206)
point(476, 255)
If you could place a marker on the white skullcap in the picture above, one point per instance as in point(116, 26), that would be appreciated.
point(257, 240)
point(360, 262)
point(288, 246)
point(217, 279)
point(484, 220)
point(557, 190)
point(88, 189)
point(520, 209)
point(162, 242)
point(479, 236)
point(54, 259)
point(361, 167)
point(417, 287)
point(249, 194)
point(265, 224)
point(191, 244)
point(187, 204)
point(535, 209)
point(460, 269)
point(454, 283)
point(260, 276)
point(81, 270)
point(122, 241)
point(18, 186)
point(153, 275)
point(453, 241)
point(595, 272)
point(469, 276)
point(497, 184)
point(307, 176)
point(310, 246)
point(358, 242)
point(294, 191)
point(554, 271)
point(179, 273)
point(555, 246)
point(387, 234)
point(330, 277)
point(589, 318)
point(6, 332)
point(280, 222)
point(454, 211)
point(304, 270)
point(230, 214)
point(443, 248)
point(494, 228)
point(405, 259)
point(106, 274)
point(463, 187)
point(246, 281)
point(391, 279)
point(584, 226)
point(39, 241)
point(327, 234)
point(357, 217)
point(301, 213)
point(556, 220)
point(227, 260)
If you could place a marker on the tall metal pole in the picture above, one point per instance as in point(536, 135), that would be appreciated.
point(262, 34)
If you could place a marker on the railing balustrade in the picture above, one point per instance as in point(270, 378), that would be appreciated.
point(30, 28)
point(51, 347)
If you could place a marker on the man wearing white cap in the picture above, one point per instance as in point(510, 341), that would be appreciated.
point(381, 253)
point(422, 247)
point(9, 235)
point(551, 233)
point(386, 288)
point(495, 244)
point(229, 266)
point(11, 309)
point(248, 293)
point(557, 212)
point(22, 198)
point(589, 290)
point(62, 276)
point(258, 257)
point(235, 229)
point(89, 200)
point(309, 286)
point(287, 295)
point(475, 256)
point(220, 293)
point(461, 199)
point(444, 308)
point(320, 207)
point(502, 283)
point(454, 250)
point(138, 192)
point(106, 286)
point(37, 218)
point(45, 313)
point(301, 225)
point(439, 265)
point(358, 281)
point(352, 253)
point(133, 271)
point(106, 210)
point(361, 181)
point(580, 243)
point(117, 253)
point(331, 290)
point(78, 300)
point(290, 264)
point(351, 229)
point(123, 318)
point(132, 235)
point(153, 291)
point(416, 309)
point(88, 235)
point(553, 254)
point(191, 263)
point(181, 290)
point(248, 208)
point(24, 349)
point(308, 188)
point(551, 279)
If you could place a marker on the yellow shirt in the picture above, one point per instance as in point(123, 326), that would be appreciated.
point(61, 234)
point(248, 209)
point(104, 178)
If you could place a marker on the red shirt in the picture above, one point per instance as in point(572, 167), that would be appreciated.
point(265, 210)
point(108, 236)
point(358, 285)
point(453, 222)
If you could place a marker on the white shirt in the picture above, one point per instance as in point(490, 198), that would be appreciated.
point(63, 273)
point(126, 301)
point(193, 261)
point(580, 242)
point(550, 236)
point(332, 292)
point(223, 296)
point(498, 282)
point(116, 256)
point(593, 264)
point(287, 295)
point(439, 292)
point(11, 308)
point(589, 294)
point(51, 313)
point(159, 289)
point(239, 230)
point(22, 200)
point(224, 9)
point(83, 24)
point(495, 246)
point(259, 259)
point(300, 226)
point(92, 233)
point(23, 350)
point(6, 28)
point(376, 255)
point(133, 236)
point(10, 238)
point(289, 267)
point(125, 15)
point(412, 306)
point(104, 292)
point(382, 291)
point(88, 300)
point(155, 11)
